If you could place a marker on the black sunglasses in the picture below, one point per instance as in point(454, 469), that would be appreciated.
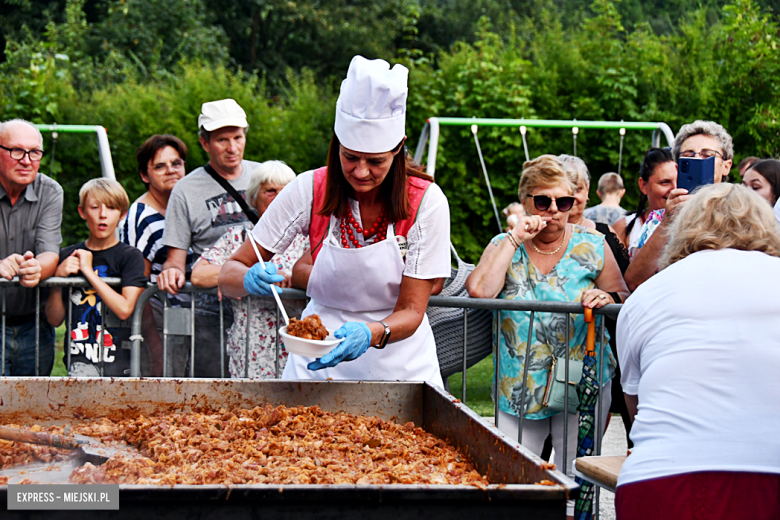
point(543, 202)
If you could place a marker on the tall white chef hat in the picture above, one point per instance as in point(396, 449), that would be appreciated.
point(371, 110)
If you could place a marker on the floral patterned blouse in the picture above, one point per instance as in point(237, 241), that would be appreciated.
point(574, 274)
point(262, 324)
point(654, 219)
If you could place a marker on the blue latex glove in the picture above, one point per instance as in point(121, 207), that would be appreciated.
point(259, 278)
point(358, 339)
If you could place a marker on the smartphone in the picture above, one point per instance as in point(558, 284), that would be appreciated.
point(693, 172)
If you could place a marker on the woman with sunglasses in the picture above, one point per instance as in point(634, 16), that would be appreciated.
point(545, 258)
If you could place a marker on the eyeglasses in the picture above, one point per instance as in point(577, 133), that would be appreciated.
point(704, 154)
point(543, 202)
point(19, 153)
point(161, 167)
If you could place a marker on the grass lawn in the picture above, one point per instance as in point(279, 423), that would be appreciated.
point(59, 369)
point(479, 378)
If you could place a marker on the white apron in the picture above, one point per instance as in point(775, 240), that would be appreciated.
point(363, 285)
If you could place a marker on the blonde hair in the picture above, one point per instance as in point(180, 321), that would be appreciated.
point(105, 191)
point(546, 171)
point(275, 172)
point(721, 216)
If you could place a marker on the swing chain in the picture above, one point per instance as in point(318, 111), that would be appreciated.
point(54, 136)
point(620, 156)
point(523, 131)
point(574, 132)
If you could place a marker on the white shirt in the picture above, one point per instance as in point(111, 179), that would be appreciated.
point(429, 237)
point(777, 210)
point(699, 344)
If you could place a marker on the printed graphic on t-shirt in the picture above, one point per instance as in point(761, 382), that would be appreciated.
point(87, 330)
point(225, 211)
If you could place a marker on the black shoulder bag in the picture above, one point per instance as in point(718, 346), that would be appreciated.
point(250, 214)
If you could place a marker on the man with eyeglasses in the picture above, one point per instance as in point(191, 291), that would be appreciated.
point(30, 238)
point(702, 139)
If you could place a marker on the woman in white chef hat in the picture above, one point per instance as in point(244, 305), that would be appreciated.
point(380, 233)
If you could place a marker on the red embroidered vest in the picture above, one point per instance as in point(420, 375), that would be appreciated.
point(318, 227)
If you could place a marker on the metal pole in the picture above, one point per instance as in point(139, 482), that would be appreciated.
point(192, 336)
point(38, 331)
point(420, 150)
point(487, 179)
point(3, 369)
point(523, 131)
point(246, 343)
point(521, 417)
point(433, 146)
point(106, 164)
point(276, 359)
point(597, 494)
point(465, 354)
point(600, 401)
point(102, 337)
point(552, 123)
point(136, 329)
point(68, 327)
point(221, 340)
point(166, 306)
point(497, 370)
point(566, 397)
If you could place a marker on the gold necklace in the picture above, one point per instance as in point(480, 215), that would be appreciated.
point(552, 252)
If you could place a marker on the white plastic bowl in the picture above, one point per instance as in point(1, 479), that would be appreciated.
point(308, 347)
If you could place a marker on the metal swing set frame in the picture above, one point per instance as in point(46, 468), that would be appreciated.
point(430, 136)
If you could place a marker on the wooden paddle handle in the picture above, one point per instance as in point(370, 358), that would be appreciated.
point(41, 438)
point(590, 344)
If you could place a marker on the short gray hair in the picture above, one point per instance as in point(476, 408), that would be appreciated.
point(22, 121)
point(274, 172)
point(575, 165)
point(708, 128)
point(610, 183)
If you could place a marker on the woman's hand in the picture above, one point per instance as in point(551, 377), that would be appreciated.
point(674, 202)
point(528, 227)
point(357, 340)
point(596, 298)
point(259, 279)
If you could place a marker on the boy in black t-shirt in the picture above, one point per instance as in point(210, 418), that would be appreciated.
point(93, 351)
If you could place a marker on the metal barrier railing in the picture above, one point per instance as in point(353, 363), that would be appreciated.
point(534, 307)
point(68, 283)
point(181, 321)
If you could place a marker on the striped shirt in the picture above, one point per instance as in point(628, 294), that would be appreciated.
point(143, 228)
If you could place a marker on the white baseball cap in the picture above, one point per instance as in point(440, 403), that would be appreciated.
point(222, 113)
point(371, 109)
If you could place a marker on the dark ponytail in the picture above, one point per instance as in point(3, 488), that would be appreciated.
point(654, 157)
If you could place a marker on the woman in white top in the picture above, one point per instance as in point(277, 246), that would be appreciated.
point(379, 232)
point(657, 177)
point(699, 347)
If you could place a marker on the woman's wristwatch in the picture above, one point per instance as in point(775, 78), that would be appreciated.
point(385, 337)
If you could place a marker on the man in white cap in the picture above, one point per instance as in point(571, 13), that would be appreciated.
point(380, 233)
point(201, 210)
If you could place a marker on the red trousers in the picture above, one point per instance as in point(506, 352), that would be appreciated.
point(707, 495)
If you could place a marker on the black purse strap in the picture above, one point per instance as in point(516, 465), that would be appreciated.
point(251, 215)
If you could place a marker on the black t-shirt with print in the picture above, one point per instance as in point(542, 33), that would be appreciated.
point(120, 261)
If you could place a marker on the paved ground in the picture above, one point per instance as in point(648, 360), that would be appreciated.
point(614, 443)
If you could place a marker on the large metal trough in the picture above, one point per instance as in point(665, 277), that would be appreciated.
point(513, 470)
